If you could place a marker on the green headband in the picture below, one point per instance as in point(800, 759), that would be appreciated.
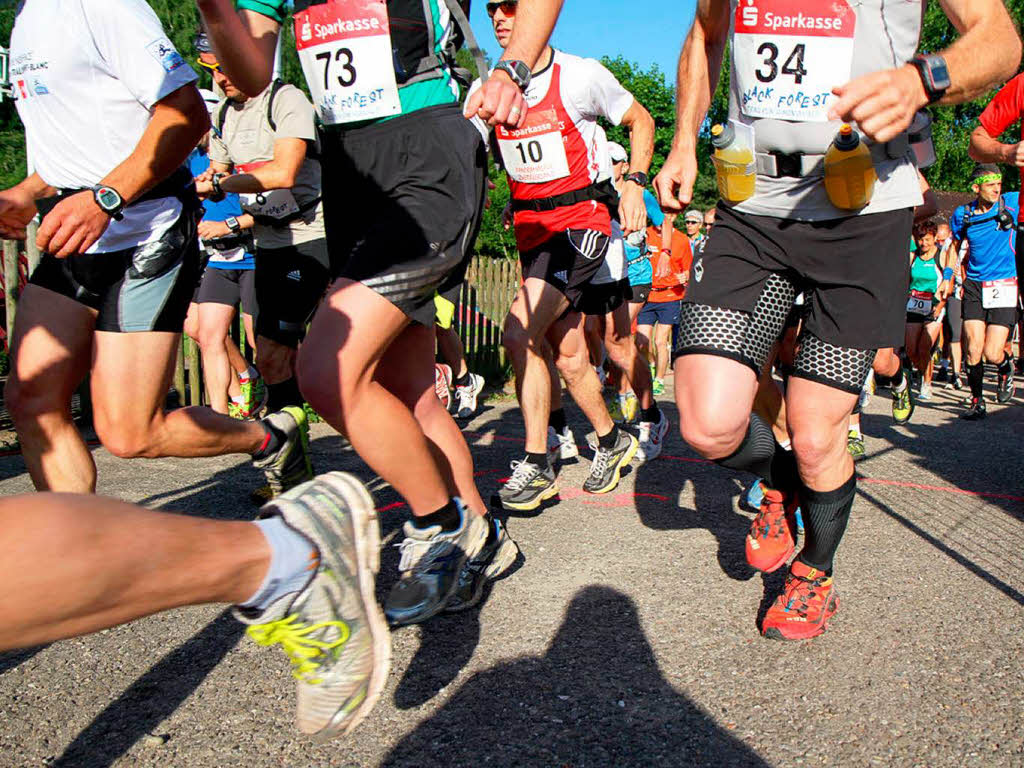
point(987, 178)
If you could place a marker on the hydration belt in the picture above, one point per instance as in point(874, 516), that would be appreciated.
point(602, 191)
point(777, 164)
point(271, 221)
point(230, 242)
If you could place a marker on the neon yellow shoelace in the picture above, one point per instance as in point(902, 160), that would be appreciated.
point(294, 638)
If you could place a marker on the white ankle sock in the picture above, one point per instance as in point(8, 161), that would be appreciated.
point(293, 560)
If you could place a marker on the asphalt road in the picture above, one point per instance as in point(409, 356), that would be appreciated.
point(627, 636)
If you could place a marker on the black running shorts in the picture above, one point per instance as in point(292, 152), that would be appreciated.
point(402, 204)
point(974, 310)
point(599, 300)
point(639, 293)
point(289, 285)
point(954, 322)
point(854, 271)
point(145, 288)
point(228, 286)
point(568, 262)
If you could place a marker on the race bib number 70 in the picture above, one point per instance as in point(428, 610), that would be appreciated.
point(790, 54)
point(344, 47)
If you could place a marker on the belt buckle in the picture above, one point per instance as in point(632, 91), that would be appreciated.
point(787, 164)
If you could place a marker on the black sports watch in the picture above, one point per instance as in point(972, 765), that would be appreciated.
point(934, 75)
point(517, 71)
point(218, 193)
point(233, 224)
point(109, 200)
point(637, 177)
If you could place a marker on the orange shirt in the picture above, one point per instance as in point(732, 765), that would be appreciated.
point(665, 283)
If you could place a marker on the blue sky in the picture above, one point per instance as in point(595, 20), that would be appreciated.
point(645, 31)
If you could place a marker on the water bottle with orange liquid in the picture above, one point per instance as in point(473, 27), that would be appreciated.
point(849, 172)
point(735, 168)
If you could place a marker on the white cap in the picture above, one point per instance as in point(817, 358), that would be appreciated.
point(617, 153)
point(210, 98)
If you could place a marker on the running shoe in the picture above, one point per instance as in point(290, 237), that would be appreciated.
point(607, 465)
point(651, 438)
point(855, 444)
point(497, 556)
point(630, 407)
point(926, 391)
point(941, 374)
point(754, 494)
point(332, 629)
point(976, 410)
point(235, 411)
point(528, 487)
point(658, 386)
point(443, 384)
point(432, 560)
point(614, 408)
point(805, 606)
point(561, 446)
point(1004, 387)
point(770, 542)
point(903, 401)
point(956, 383)
point(291, 465)
point(466, 397)
point(254, 391)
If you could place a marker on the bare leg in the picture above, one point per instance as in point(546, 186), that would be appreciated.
point(337, 363)
point(770, 405)
point(819, 418)
point(277, 361)
point(618, 339)
point(214, 324)
point(663, 348)
point(452, 351)
point(84, 554)
point(714, 396)
point(566, 338)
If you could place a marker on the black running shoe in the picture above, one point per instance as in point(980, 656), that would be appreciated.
point(491, 563)
point(528, 487)
point(1004, 391)
point(608, 463)
point(975, 410)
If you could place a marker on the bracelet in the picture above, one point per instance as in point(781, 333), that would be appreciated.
point(947, 273)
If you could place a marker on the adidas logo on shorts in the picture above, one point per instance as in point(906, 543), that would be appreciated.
point(294, 275)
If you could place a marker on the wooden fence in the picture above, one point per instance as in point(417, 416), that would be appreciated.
point(486, 295)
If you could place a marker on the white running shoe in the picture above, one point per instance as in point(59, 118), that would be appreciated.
point(651, 437)
point(561, 446)
point(466, 397)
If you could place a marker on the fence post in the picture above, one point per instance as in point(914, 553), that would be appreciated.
point(195, 386)
point(11, 283)
point(31, 249)
point(179, 371)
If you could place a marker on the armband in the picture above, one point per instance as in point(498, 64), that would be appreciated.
point(947, 273)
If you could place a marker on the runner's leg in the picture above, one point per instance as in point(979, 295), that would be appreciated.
point(663, 348)
point(618, 339)
point(214, 339)
point(566, 338)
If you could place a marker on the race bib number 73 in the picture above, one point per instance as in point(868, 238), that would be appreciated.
point(790, 54)
point(344, 47)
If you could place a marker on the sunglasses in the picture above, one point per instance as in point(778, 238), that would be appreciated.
point(215, 67)
point(508, 8)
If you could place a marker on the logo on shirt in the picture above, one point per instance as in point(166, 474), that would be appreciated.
point(698, 269)
point(163, 50)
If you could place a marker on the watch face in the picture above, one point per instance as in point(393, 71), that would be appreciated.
point(108, 198)
point(940, 73)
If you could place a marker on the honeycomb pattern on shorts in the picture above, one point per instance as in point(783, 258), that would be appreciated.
point(748, 337)
point(840, 367)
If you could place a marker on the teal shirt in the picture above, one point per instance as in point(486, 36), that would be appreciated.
point(426, 93)
point(925, 275)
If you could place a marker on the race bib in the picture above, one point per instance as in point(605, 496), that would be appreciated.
point(999, 294)
point(275, 203)
point(229, 255)
point(345, 50)
point(535, 153)
point(920, 303)
point(790, 54)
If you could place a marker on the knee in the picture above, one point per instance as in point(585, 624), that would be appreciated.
point(126, 443)
point(815, 448)
point(209, 338)
point(29, 400)
point(713, 437)
point(514, 338)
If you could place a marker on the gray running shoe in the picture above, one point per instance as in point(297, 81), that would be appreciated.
point(607, 464)
point(466, 397)
point(432, 560)
point(333, 630)
point(290, 466)
point(528, 487)
point(496, 557)
point(651, 438)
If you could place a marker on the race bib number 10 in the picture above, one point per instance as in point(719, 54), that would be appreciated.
point(535, 153)
point(345, 50)
point(790, 54)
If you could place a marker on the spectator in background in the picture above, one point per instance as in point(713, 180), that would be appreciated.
point(693, 221)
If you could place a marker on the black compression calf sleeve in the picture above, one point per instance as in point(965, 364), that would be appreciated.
point(557, 420)
point(825, 514)
point(783, 476)
point(755, 452)
point(976, 378)
point(283, 394)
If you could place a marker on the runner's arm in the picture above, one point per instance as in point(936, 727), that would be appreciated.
point(18, 205)
point(985, 149)
point(640, 124)
point(700, 64)
point(987, 52)
point(178, 122)
point(279, 173)
point(211, 230)
point(244, 41)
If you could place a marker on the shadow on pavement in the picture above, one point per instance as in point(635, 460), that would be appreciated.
point(153, 697)
point(595, 698)
point(10, 659)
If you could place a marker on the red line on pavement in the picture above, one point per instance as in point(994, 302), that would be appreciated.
point(942, 488)
point(391, 506)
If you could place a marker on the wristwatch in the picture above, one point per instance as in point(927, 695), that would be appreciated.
point(637, 178)
point(218, 193)
point(517, 71)
point(109, 200)
point(934, 75)
point(233, 224)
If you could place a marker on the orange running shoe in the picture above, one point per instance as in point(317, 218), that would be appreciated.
point(803, 609)
point(770, 542)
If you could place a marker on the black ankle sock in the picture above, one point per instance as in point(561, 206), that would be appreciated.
point(275, 439)
point(537, 459)
point(976, 378)
point(783, 475)
point(283, 394)
point(755, 452)
point(652, 414)
point(557, 420)
point(825, 514)
point(447, 517)
point(1006, 366)
point(462, 381)
point(608, 441)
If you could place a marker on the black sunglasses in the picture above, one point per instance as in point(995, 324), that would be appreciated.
point(508, 7)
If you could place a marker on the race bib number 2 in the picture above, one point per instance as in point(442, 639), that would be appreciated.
point(999, 294)
point(790, 54)
point(344, 47)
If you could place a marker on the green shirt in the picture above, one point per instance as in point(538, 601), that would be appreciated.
point(425, 93)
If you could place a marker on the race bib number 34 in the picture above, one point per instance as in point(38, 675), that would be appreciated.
point(790, 54)
point(345, 50)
